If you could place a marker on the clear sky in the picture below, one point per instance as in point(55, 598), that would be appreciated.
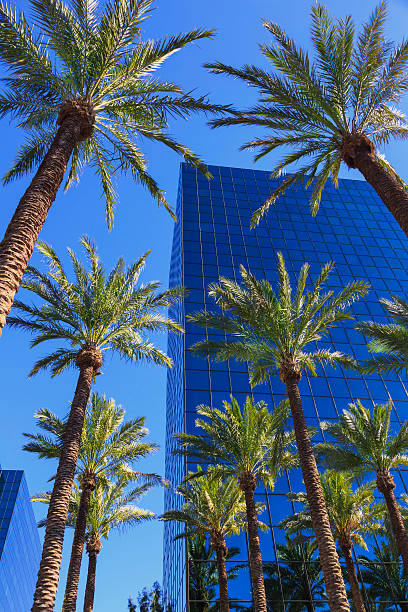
point(132, 560)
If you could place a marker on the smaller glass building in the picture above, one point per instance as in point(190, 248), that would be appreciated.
point(20, 549)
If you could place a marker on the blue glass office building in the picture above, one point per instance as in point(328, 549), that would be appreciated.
point(20, 550)
point(213, 238)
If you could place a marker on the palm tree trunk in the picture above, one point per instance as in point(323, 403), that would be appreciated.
point(71, 588)
point(352, 576)
point(359, 152)
point(222, 578)
point(93, 549)
point(247, 483)
point(48, 575)
point(335, 589)
point(22, 232)
point(386, 486)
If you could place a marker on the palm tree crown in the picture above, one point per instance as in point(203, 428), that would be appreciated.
point(80, 60)
point(390, 339)
point(240, 441)
point(363, 441)
point(352, 514)
point(271, 329)
point(112, 507)
point(328, 109)
point(365, 444)
point(96, 309)
point(108, 445)
point(212, 504)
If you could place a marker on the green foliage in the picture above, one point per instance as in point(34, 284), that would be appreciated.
point(108, 311)
point(391, 339)
point(79, 50)
point(298, 577)
point(148, 601)
point(352, 514)
point(109, 445)
point(267, 326)
point(212, 505)
point(363, 442)
point(384, 578)
point(112, 507)
point(310, 105)
point(238, 440)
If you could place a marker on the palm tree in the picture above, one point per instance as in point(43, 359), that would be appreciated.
point(80, 83)
point(108, 448)
point(94, 313)
point(249, 444)
point(216, 507)
point(338, 108)
point(352, 515)
point(385, 583)
point(297, 577)
point(111, 508)
point(389, 339)
point(363, 445)
point(272, 330)
point(203, 574)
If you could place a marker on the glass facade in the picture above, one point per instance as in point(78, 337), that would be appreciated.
point(213, 238)
point(20, 549)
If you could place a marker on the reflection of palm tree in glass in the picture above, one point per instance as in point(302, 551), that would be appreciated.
point(384, 578)
point(298, 578)
point(203, 576)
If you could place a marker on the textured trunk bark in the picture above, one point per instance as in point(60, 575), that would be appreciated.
point(22, 232)
point(71, 588)
point(222, 579)
point(90, 581)
point(48, 575)
point(335, 589)
point(353, 580)
point(247, 484)
point(386, 486)
point(359, 153)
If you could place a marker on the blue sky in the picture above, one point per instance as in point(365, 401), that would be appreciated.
point(134, 559)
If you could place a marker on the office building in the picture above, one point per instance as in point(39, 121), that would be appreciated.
point(212, 238)
point(20, 549)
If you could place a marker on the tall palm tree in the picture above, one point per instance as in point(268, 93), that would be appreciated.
point(80, 82)
point(338, 107)
point(249, 444)
point(352, 515)
point(275, 330)
point(109, 447)
point(111, 508)
point(93, 313)
point(385, 581)
point(203, 574)
point(297, 577)
point(390, 339)
point(364, 444)
point(216, 507)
